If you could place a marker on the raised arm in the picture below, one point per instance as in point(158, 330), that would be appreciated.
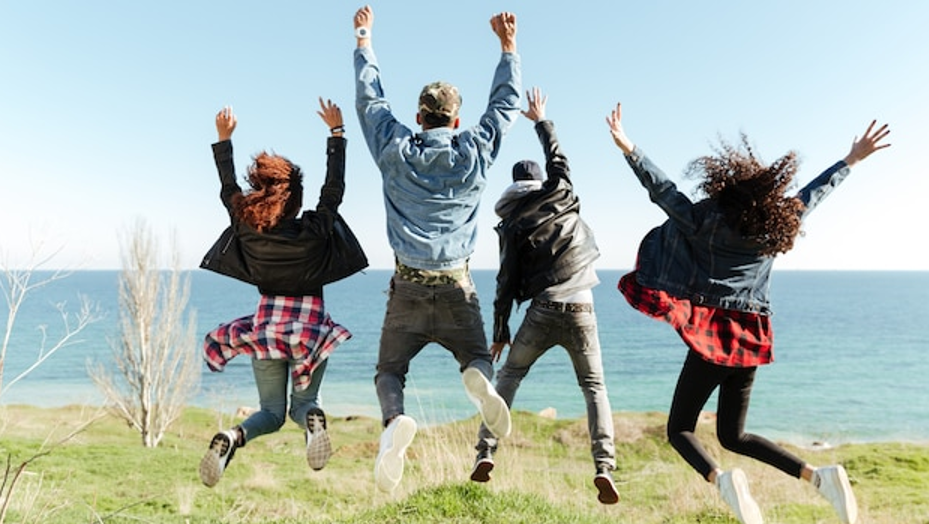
point(222, 156)
point(556, 164)
point(504, 25)
point(814, 192)
point(330, 196)
point(661, 190)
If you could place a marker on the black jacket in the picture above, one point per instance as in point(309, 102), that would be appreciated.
point(280, 261)
point(543, 241)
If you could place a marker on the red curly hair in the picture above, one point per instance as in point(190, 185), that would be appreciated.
point(276, 192)
point(751, 195)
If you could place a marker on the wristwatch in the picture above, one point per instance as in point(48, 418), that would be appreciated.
point(362, 32)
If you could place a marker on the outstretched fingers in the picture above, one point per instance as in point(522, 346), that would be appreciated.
point(330, 113)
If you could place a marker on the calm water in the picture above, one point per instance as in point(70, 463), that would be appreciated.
point(850, 354)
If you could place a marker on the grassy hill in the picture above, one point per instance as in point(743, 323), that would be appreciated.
point(544, 474)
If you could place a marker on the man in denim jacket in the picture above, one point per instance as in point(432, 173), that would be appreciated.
point(432, 183)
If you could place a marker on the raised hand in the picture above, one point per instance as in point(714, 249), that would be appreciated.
point(504, 25)
point(537, 101)
point(614, 120)
point(332, 116)
point(225, 123)
point(868, 144)
point(364, 20)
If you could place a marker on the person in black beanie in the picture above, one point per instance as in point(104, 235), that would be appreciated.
point(546, 256)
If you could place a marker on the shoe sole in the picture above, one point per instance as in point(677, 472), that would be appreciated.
point(212, 464)
point(848, 511)
point(481, 471)
point(493, 409)
point(607, 490)
point(319, 447)
point(388, 469)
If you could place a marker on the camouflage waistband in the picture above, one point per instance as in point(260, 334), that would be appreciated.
point(432, 277)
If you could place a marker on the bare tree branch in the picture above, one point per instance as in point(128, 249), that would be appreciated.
point(157, 368)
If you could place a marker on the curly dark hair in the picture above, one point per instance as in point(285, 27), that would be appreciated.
point(751, 195)
point(276, 192)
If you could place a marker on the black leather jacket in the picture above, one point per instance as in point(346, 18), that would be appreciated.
point(277, 260)
point(543, 241)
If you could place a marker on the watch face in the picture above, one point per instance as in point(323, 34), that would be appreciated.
point(362, 32)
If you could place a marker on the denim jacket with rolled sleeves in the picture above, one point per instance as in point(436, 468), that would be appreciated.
point(696, 256)
point(433, 179)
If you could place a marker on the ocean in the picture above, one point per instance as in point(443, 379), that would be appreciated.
point(850, 352)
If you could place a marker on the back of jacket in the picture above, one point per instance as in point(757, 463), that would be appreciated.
point(543, 240)
point(282, 261)
point(695, 255)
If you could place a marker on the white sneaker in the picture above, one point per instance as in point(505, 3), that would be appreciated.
point(318, 445)
point(494, 411)
point(213, 464)
point(388, 467)
point(733, 486)
point(832, 483)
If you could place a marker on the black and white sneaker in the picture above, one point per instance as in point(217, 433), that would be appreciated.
point(606, 488)
point(483, 465)
point(318, 446)
point(217, 458)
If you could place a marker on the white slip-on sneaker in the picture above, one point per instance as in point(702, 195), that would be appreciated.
point(388, 467)
point(832, 483)
point(733, 487)
point(217, 457)
point(493, 409)
point(318, 445)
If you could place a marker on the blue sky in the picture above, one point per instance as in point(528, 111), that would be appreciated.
point(106, 112)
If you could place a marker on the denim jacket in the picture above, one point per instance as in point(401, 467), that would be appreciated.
point(433, 180)
point(696, 256)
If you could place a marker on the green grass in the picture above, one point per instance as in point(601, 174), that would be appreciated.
point(544, 475)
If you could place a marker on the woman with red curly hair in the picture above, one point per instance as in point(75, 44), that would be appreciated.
point(706, 272)
point(290, 335)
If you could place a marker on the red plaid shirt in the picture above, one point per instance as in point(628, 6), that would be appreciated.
point(722, 336)
point(291, 328)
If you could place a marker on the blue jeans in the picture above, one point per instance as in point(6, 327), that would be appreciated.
point(577, 333)
point(447, 314)
point(271, 378)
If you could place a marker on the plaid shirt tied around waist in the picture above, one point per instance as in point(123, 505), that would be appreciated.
point(722, 336)
point(287, 328)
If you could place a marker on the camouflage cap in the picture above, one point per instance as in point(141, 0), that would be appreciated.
point(440, 99)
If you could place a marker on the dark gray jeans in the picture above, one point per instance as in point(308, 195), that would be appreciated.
point(447, 314)
point(577, 333)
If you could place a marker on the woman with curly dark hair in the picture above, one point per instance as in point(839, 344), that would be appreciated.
point(290, 336)
point(706, 271)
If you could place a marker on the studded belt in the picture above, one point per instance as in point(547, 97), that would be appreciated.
point(566, 307)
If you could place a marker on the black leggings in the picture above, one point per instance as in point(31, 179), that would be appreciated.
point(696, 383)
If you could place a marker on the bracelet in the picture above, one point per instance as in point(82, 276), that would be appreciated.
point(362, 32)
point(337, 129)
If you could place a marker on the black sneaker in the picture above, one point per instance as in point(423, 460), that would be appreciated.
point(217, 458)
point(318, 446)
point(605, 486)
point(483, 465)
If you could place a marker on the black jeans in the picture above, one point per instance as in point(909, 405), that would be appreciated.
point(695, 384)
